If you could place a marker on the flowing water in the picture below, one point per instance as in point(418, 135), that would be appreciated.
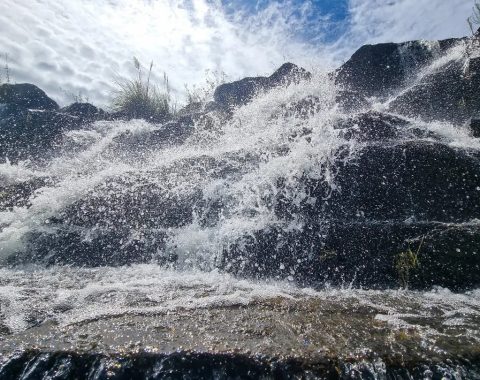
point(151, 222)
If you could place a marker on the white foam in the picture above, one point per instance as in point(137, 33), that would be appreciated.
point(70, 295)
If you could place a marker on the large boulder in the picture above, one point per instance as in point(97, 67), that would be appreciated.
point(377, 70)
point(32, 133)
point(369, 254)
point(447, 94)
point(424, 181)
point(397, 195)
point(31, 124)
point(446, 91)
point(241, 92)
point(121, 221)
point(26, 96)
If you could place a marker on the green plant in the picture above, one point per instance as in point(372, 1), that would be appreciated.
point(405, 262)
point(474, 19)
point(139, 98)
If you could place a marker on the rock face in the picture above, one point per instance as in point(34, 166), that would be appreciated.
point(29, 122)
point(475, 127)
point(444, 92)
point(27, 133)
point(24, 96)
point(240, 92)
point(377, 70)
point(392, 197)
point(84, 111)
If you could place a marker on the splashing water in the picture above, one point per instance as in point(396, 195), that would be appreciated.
point(232, 165)
point(184, 203)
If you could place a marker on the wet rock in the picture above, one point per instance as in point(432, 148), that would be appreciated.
point(304, 108)
point(32, 133)
point(372, 126)
point(171, 133)
point(420, 180)
point(30, 125)
point(63, 244)
point(363, 254)
point(26, 96)
point(475, 127)
point(191, 108)
point(111, 227)
point(446, 93)
point(377, 70)
point(85, 111)
point(346, 101)
point(241, 92)
point(349, 101)
point(388, 196)
point(442, 95)
point(196, 365)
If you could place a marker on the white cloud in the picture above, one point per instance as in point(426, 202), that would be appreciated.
point(376, 21)
point(81, 45)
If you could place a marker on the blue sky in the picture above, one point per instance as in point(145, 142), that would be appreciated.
point(81, 46)
point(335, 10)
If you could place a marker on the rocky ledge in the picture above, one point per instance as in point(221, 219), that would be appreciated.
point(276, 338)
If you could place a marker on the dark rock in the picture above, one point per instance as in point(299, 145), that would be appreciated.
point(373, 69)
point(84, 111)
point(191, 108)
point(346, 101)
point(475, 127)
point(30, 125)
point(349, 101)
point(26, 96)
point(442, 95)
point(372, 126)
point(18, 194)
point(377, 70)
point(107, 227)
point(288, 73)
point(472, 86)
point(32, 134)
point(304, 108)
point(66, 244)
point(447, 93)
point(424, 181)
point(84, 364)
point(171, 133)
point(241, 92)
point(386, 197)
point(362, 255)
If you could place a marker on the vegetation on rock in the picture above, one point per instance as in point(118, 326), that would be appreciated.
point(140, 98)
point(405, 262)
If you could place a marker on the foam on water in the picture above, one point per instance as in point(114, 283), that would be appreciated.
point(71, 295)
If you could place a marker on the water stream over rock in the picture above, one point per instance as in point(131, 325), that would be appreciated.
point(279, 220)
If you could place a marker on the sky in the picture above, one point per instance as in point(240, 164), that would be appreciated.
point(82, 47)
